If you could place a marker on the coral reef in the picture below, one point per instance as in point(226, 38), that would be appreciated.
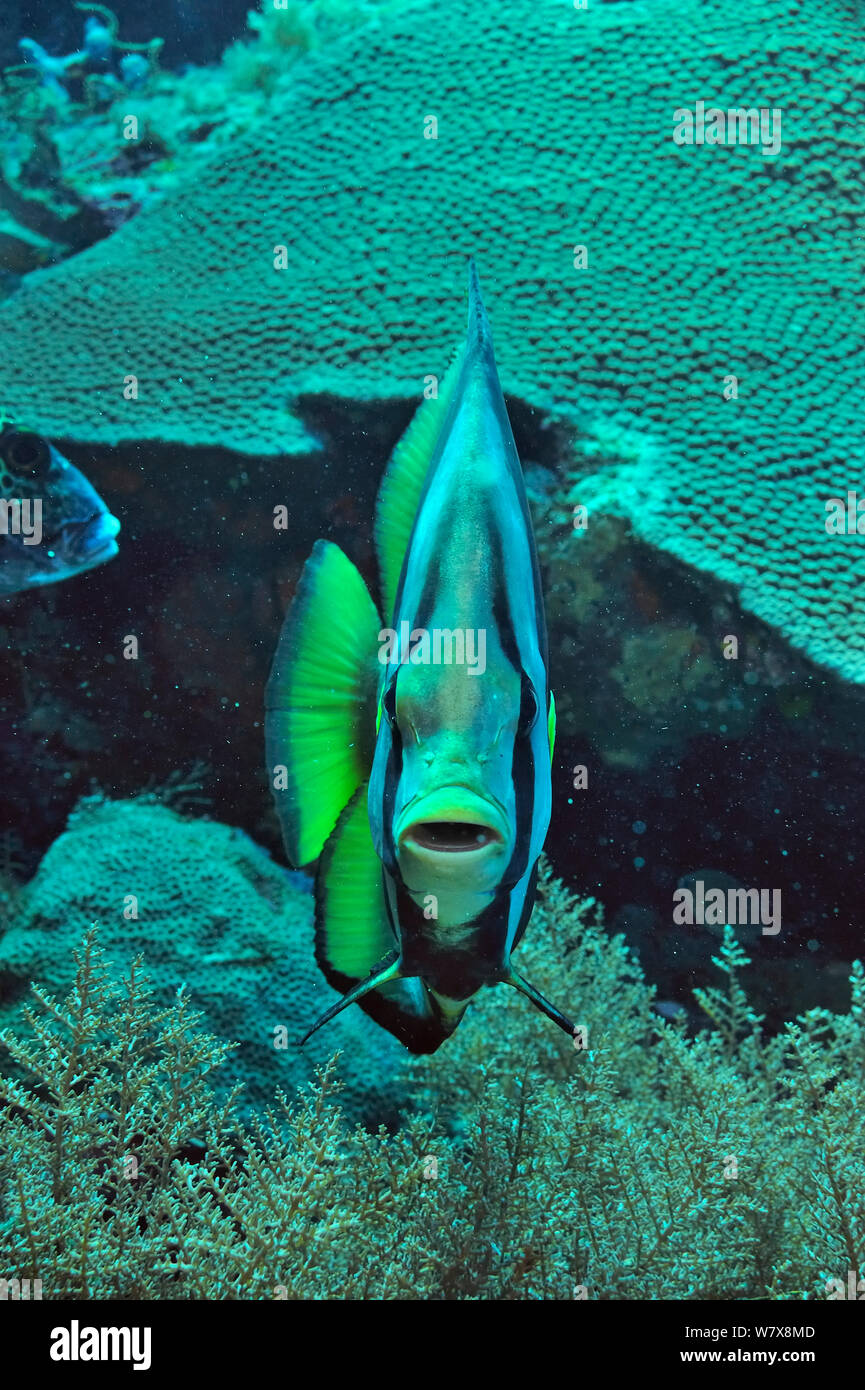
point(642, 1165)
point(101, 41)
point(680, 341)
point(204, 905)
point(68, 177)
point(704, 264)
point(87, 143)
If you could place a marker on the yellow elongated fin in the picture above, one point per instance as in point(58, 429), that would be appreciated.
point(320, 701)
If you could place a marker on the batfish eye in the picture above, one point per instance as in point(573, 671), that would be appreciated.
point(528, 708)
point(388, 703)
point(26, 454)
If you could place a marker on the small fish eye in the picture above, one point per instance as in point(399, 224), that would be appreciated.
point(27, 454)
point(388, 703)
point(528, 708)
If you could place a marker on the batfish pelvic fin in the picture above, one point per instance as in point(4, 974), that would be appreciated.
point(388, 971)
point(382, 974)
point(521, 984)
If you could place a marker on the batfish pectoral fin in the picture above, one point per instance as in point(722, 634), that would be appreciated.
point(355, 944)
point(320, 700)
point(540, 1002)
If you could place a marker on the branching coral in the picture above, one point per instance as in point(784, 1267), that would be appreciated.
point(122, 1178)
point(643, 1165)
point(651, 1165)
point(101, 38)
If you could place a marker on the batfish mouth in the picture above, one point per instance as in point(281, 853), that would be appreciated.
point(452, 821)
point(450, 836)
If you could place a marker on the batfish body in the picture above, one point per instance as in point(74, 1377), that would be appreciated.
point(415, 759)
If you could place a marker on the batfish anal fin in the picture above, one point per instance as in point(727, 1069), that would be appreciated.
point(353, 936)
point(352, 927)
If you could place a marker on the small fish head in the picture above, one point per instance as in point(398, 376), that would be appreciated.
point(53, 523)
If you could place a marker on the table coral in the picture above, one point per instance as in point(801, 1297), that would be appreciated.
point(549, 129)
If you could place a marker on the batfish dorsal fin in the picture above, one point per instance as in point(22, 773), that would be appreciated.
point(320, 701)
point(409, 464)
point(403, 484)
point(479, 336)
